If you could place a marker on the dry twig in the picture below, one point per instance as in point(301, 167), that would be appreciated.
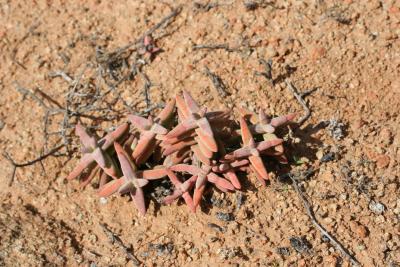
point(28, 163)
point(302, 102)
point(319, 227)
point(114, 239)
point(217, 82)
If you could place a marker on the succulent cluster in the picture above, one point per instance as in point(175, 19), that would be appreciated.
point(194, 149)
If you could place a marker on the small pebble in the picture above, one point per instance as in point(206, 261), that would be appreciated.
point(328, 157)
point(299, 244)
point(103, 200)
point(376, 207)
point(359, 229)
point(284, 251)
point(215, 227)
point(226, 217)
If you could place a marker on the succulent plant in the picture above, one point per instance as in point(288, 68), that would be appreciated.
point(196, 149)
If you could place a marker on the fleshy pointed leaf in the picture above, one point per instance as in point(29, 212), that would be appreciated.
point(186, 168)
point(127, 166)
point(138, 197)
point(264, 145)
point(140, 122)
point(152, 174)
point(84, 163)
point(207, 140)
point(245, 131)
point(278, 121)
point(110, 138)
point(182, 107)
point(111, 187)
point(213, 178)
point(231, 176)
point(191, 104)
point(258, 165)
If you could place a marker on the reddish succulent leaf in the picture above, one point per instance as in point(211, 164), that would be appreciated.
point(259, 166)
point(198, 193)
point(182, 107)
point(144, 148)
point(182, 128)
point(208, 141)
point(213, 178)
point(186, 168)
point(166, 113)
point(199, 155)
point(140, 122)
point(87, 141)
point(258, 176)
point(191, 104)
point(99, 157)
point(231, 176)
point(115, 135)
point(246, 134)
point(89, 178)
point(264, 145)
point(152, 174)
point(127, 166)
point(138, 197)
point(111, 187)
point(84, 163)
point(278, 121)
point(178, 146)
point(203, 148)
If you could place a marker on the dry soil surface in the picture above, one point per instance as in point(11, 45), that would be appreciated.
point(349, 51)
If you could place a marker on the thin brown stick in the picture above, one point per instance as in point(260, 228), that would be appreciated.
point(163, 23)
point(317, 225)
point(267, 73)
point(213, 46)
point(28, 163)
point(217, 82)
point(302, 102)
point(146, 88)
point(114, 239)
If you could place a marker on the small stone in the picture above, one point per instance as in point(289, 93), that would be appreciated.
point(335, 129)
point(300, 244)
point(376, 207)
point(103, 200)
point(319, 154)
point(382, 161)
point(359, 229)
point(284, 251)
point(317, 53)
point(226, 217)
point(385, 136)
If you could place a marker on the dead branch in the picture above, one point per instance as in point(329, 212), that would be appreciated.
point(114, 239)
point(267, 73)
point(217, 82)
point(300, 99)
point(146, 88)
point(28, 163)
point(317, 225)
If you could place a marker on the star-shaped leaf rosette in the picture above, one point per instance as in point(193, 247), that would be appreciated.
point(196, 149)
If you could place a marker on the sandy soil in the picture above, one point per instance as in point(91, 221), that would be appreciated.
point(348, 50)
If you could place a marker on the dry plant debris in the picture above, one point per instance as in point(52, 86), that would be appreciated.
point(197, 148)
